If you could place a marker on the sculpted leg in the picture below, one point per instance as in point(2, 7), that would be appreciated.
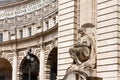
point(72, 52)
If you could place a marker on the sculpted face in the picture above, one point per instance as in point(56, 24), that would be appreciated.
point(82, 34)
point(82, 31)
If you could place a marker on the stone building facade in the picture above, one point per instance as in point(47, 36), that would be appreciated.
point(50, 28)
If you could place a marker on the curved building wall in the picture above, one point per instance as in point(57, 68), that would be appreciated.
point(26, 25)
point(34, 15)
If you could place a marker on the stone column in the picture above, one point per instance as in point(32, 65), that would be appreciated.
point(42, 63)
point(14, 67)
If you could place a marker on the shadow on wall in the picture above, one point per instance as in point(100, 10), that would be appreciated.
point(52, 64)
point(5, 69)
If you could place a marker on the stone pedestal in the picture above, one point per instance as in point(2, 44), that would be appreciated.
point(94, 78)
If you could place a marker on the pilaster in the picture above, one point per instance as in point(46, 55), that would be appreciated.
point(67, 30)
point(108, 39)
point(14, 66)
point(42, 64)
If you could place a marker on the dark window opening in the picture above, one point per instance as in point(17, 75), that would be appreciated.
point(47, 24)
point(1, 37)
point(2, 77)
point(30, 31)
point(21, 34)
point(54, 19)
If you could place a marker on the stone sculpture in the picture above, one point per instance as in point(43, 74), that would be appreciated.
point(84, 58)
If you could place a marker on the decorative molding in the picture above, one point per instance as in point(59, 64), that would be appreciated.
point(22, 9)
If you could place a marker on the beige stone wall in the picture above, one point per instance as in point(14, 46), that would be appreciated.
point(108, 39)
point(67, 30)
point(72, 14)
point(7, 49)
point(10, 33)
point(35, 20)
point(87, 11)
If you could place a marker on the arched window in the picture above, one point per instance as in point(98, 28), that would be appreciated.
point(52, 64)
point(5, 69)
point(29, 69)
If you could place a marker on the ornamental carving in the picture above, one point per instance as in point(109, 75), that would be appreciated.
point(23, 9)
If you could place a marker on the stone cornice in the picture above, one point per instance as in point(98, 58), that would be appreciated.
point(36, 36)
point(14, 4)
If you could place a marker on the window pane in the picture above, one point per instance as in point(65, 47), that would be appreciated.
point(21, 34)
point(30, 31)
point(47, 25)
point(1, 37)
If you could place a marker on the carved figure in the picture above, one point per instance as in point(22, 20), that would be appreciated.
point(83, 53)
point(84, 56)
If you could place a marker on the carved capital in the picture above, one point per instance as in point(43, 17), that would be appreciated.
point(14, 51)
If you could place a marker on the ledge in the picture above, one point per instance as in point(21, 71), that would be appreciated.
point(37, 35)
